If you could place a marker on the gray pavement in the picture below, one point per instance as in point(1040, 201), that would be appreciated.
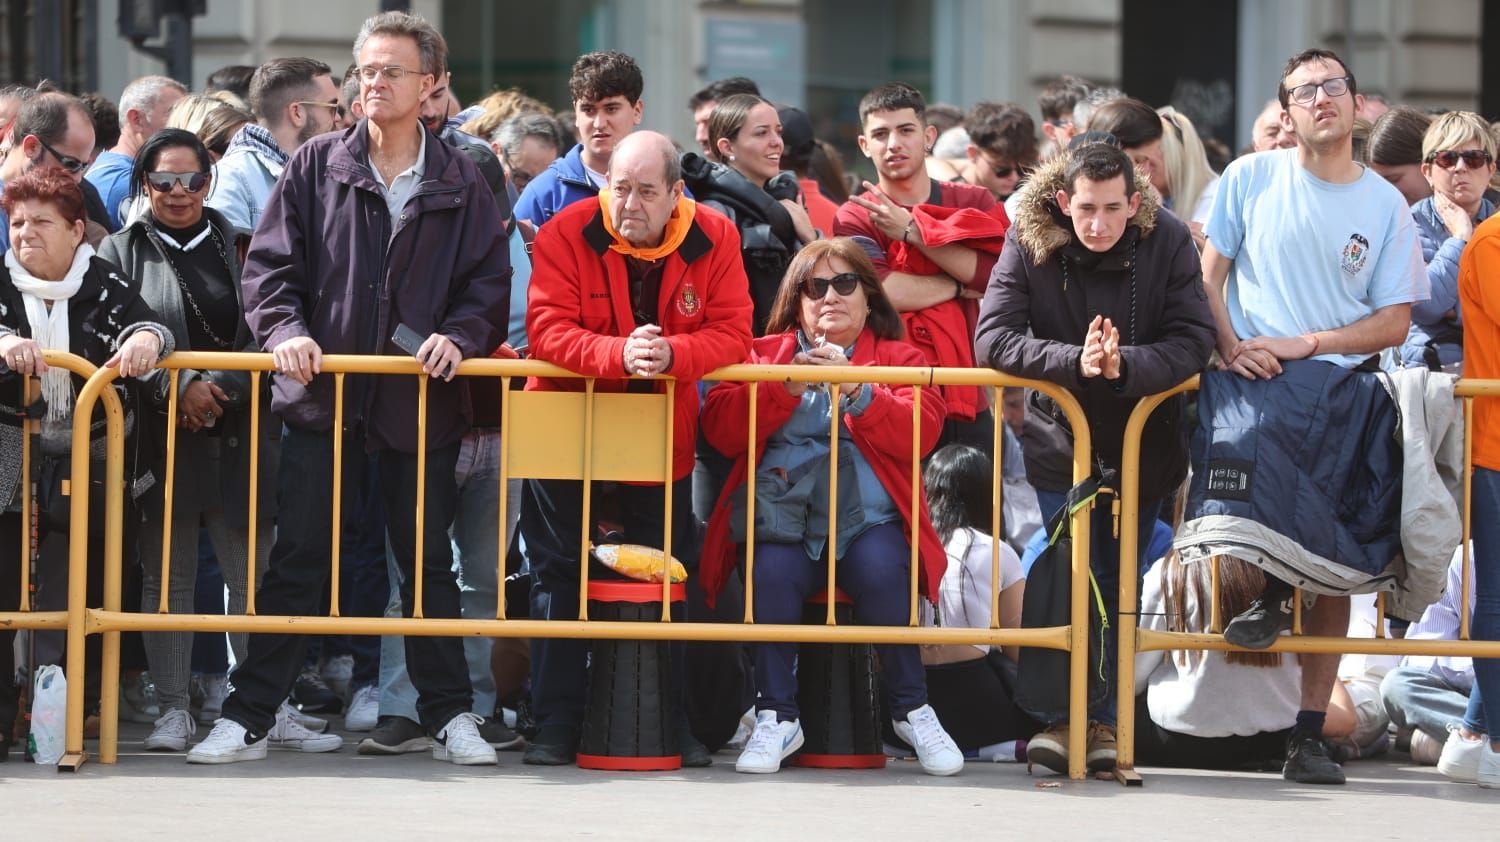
point(340, 795)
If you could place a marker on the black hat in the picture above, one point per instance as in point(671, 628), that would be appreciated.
point(796, 133)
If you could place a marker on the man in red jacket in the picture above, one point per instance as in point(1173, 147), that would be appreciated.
point(642, 283)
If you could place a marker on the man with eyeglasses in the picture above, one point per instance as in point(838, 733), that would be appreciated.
point(144, 106)
point(1320, 261)
point(294, 100)
point(51, 130)
point(371, 233)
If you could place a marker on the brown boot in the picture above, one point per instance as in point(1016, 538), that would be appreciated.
point(1101, 746)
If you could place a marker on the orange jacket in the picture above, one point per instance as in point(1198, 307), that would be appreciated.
point(1479, 296)
point(882, 433)
point(578, 310)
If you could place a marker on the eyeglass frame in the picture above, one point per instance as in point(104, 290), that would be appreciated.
point(1347, 80)
point(367, 73)
point(1014, 169)
point(75, 167)
point(337, 107)
point(810, 284)
point(1485, 157)
point(178, 178)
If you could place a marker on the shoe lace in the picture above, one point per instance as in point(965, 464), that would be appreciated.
point(766, 738)
point(311, 677)
point(927, 730)
point(456, 727)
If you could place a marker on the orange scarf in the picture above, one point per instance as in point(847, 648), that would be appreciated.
point(676, 230)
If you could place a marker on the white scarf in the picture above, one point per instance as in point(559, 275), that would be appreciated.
point(50, 329)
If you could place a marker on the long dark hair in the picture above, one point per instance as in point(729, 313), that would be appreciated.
point(150, 151)
point(959, 495)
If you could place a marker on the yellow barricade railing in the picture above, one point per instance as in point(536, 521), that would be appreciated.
point(1134, 639)
point(556, 435)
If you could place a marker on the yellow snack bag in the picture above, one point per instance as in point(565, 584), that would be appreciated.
point(637, 562)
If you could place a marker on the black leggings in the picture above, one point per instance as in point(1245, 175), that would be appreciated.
point(1156, 746)
point(975, 701)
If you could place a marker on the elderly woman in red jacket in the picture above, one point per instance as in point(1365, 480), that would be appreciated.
point(830, 310)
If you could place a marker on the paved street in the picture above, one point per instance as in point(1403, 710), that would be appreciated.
point(341, 795)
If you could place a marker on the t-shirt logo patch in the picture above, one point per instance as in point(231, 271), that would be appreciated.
point(688, 302)
point(1355, 253)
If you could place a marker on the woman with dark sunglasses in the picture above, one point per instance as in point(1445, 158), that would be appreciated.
point(182, 256)
point(1458, 160)
point(830, 310)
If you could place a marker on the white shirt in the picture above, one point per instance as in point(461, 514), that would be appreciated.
point(399, 191)
point(964, 593)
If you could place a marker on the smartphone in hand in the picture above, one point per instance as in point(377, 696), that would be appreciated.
point(410, 341)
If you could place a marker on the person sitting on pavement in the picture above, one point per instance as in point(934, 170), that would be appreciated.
point(831, 310)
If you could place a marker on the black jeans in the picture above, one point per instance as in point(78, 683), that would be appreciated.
point(551, 517)
point(299, 568)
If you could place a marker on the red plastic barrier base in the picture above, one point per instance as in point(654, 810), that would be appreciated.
point(606, 763)
point(839, 761)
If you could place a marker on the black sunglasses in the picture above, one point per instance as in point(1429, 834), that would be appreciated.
point(163, 182)
point(1448, 158)
point(68, 162)
point(844, 283)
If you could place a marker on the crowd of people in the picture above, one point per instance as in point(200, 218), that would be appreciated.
point(1328, 282)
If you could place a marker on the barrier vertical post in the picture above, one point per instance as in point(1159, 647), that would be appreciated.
point(916, 501)
point(167, 489)
point(420, 544)
point(750, 459)
point(588, 497)
point(1463, 614)
point(833, 499)
point(666, 538)
point(29, 517)
point(251, 537)
point(500, 543)
point(337, 517)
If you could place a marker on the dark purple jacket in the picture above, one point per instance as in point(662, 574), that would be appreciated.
point(324, 263)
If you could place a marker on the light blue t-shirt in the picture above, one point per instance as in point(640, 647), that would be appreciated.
point(110, 175)
point(1310, 255)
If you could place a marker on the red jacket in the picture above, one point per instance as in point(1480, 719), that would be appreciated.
point(882, 433)
point(578, 310)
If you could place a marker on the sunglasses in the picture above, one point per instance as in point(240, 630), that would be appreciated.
point(163, 182)
point(844, 283)
point(1448, 158)
point(68, 162)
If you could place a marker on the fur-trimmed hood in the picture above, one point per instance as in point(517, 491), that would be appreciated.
point(1042, 229)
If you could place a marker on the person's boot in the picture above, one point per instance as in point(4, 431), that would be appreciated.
point(1266, 618)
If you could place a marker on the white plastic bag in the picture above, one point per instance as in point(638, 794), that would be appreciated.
point(49, 715)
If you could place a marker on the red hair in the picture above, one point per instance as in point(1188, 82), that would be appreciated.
point(47, 184)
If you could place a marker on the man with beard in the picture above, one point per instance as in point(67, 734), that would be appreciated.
point(294, 100)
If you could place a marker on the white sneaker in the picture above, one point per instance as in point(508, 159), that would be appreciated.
point(138, 699)
point(306, 720)
point(742, 733)
point(1489, 767)
point(1425, 750)
point(936, 751)
point(290, 734)
point(228, 742)
point(364, 709)
point(1460, 758)
point(459, 743)
point(337, 672)
point(214, 690)
point(770, 743)
point(172, 731)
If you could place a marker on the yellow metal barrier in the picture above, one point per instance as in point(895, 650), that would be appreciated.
point(1133, 639)
point(537, 428)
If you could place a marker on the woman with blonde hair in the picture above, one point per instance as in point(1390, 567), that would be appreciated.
point(1458, 161)
point(1191, 181)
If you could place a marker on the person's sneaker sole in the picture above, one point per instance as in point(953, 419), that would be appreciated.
point(322, 744)
point(1047, 757)
point(1307, 777)
point(543, 755)
point(440, 752)
point(411, 746)
point(1099, 761)
point(255, 752)
point(153, 743)
point(1250, 636)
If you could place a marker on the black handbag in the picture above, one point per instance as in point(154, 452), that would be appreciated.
point(1044, 675)
point(54, 505)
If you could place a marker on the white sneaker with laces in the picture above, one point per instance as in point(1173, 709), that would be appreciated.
point(306, 720)
point(1460, 758)
point(364, 709)
point(742, 732)
point(228, 742)
point(337, 672)
point(770, 743)
point(290, 734)
point(215, 689)
point(460, 743)
point(936, 751)
point(172, 731)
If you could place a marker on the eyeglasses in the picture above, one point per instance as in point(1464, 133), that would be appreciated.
point(1449, 158)
point(392, 72)
point(1305, 94)
point(1061, 124)
point(844, 283)
point(68, 162)
point(1003, 171)
point(163, 182)
point(337, 109)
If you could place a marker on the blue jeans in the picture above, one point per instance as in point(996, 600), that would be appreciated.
point(1104, 561)
point(474, 535)
point(1485, 519)
point(876, 573)
point(1417, 697)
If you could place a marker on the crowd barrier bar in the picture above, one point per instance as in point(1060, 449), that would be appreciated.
point(1134, 639)
point(110, 621)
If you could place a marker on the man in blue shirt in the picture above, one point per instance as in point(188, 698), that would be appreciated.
point(1319, 256)
point(144, 106)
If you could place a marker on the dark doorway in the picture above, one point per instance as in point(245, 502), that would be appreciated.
point(1184, 53)
point(1489, 58)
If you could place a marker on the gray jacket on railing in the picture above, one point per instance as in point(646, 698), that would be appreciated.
point(201, 483)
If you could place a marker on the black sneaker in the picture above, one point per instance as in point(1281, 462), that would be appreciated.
point(500, 737)
point(311, 695)
point(1264, 621)
point(694, 753)
point(553, 746)
point(394, 735)
point(1308, 761)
